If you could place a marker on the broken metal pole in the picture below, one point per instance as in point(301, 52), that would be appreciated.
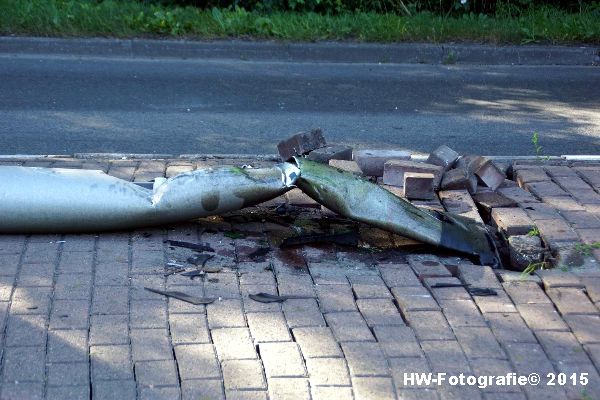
point(358, 199)
point(47, 200)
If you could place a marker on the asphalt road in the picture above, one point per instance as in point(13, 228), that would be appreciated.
point(63, 105)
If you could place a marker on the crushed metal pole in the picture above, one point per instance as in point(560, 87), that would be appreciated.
point(360, 200)
point(47, 200)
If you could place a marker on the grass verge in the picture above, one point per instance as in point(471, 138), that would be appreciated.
point(127, 18)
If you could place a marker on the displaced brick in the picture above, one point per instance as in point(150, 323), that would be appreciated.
point(428, 268)
point(459, 179)
point(487, 172)
point(268, 327)
point(517, 194)
point(553, 278)
point(301, 143)
point(524, 176)
point(460, 202)
point(394, 171)
point(398, 275)
point(371, 162)
point(328, 153)
point(349, 326)
point(571, 301)
point(443, 156)
point(419, 186)
point(302, 312)
point(512, 221)
point(479, 276)
point(414, 298)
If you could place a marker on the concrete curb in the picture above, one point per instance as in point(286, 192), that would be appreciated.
point(330, 52)
point(258, 157)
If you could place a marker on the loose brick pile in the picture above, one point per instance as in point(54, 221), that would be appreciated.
point(76, 321)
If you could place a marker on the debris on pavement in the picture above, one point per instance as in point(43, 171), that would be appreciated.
point(333, 152)
point(272, 298)
point(191, 246)
point(344, 239)
point(419, 186)
point(301, 143)
point(183, 296)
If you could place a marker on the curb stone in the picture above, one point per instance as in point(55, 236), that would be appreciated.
point(327, 52)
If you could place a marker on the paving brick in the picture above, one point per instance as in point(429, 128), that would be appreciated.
point(589, 236)
point(111, 362)
point(487, 172)
point(541, 317)
point(26, 330)
point(111, 274)
point(148, 314)
point(327, 153)
point(459, 179)
point(404, 367)
point(571, 301)
point(585, 327)
point(493, 367)
point(30, 391)
point(373, 388)
point(268, 327)
point(443, 156)
point(23, 364)
point(189, 328)
point(43, 252)
point(460, 202)
point(372, 162)
point(150, 345)
point(462, 313)
point(156, 373)
point(544, 188)
point(67, 346)
point(197, 361)
point(591, 390)
point(414, 298)
point(563, 203)
point(328, 273)
point(327, 371)
point(225, 314)
point(365, 359)
point(182, 307)
point(479, 276)
point(553, 231)
point(512, 221)
point(335, 298)
point(517, 194)
point(526, 293)
point(524, 176)
point(243, 374)
point(379, 312)
point(208, 389)
point(509, 327)
point(31, 301)
point(246, 395)
point(118, 389)
point(110, 300)
point(288, 388)
point(528, 358)
point(398, 275)
point(109, 329)
point(68, 392)
point(562, 347)
point(349, 327)
point(295, 285)
point(445, 356)
point(429, 325)
point(159, 393)
point(495, 304)
point(233, 343)
point(302, 312)
point(345, 165)
point(331, 392)
point(394, 171)
point(73, 287)
point(427, 268)
point(478, 342)
point(301, 143)
point(69, 314)
point(446, 293)
point(76, 262)
point(317, 342)
point(375, 289)
point(9, 263)
point(397, 341)
point(32, 275)
point(282, 360)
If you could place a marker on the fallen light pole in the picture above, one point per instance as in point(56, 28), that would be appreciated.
point(44, 200)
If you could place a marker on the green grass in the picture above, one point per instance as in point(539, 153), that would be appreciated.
point(127, 18)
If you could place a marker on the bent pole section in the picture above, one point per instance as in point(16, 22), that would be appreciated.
point(47, 200)
point(361, 200)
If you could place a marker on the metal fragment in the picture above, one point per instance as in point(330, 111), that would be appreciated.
point(364, 201)
point(183, 296)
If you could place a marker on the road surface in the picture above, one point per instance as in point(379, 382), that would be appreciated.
point(62, 105)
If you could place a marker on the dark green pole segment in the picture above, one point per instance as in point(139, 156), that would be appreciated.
point(357, 198)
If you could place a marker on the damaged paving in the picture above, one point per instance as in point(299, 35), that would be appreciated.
point(349, 323)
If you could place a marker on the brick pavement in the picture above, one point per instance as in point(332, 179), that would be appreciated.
point(77, 323)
